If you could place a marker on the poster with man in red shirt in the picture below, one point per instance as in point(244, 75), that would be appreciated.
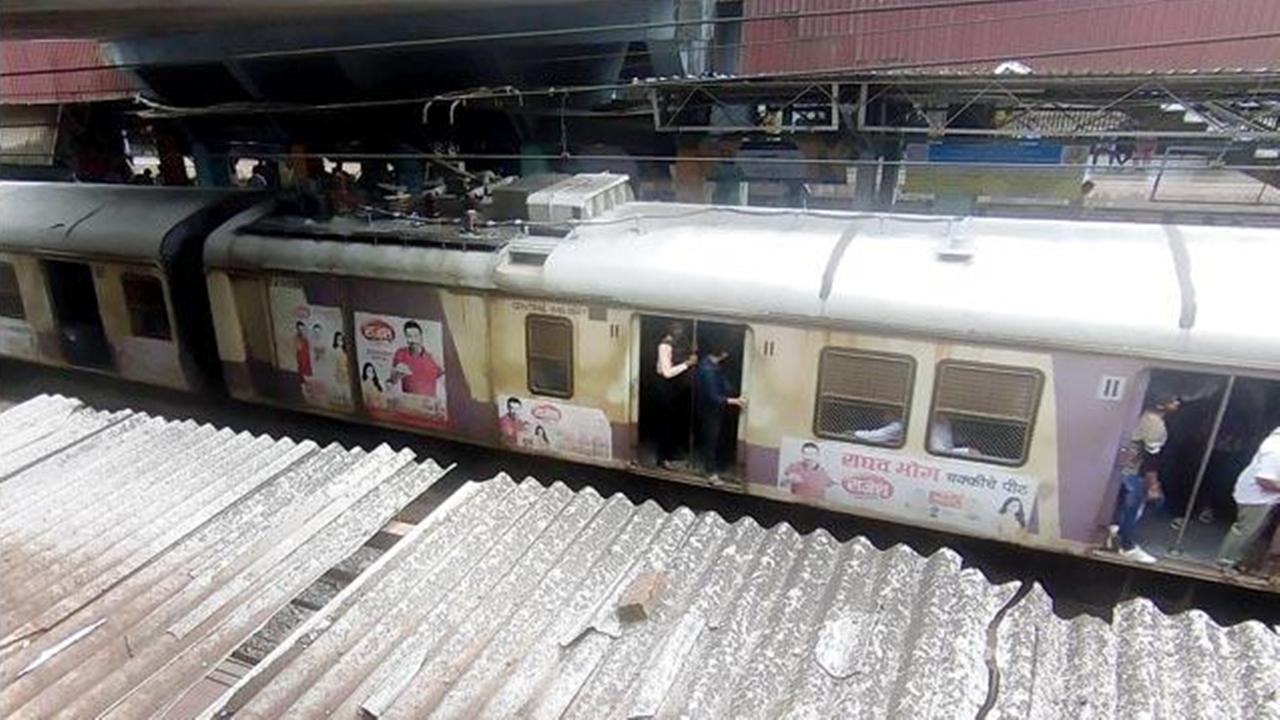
point(407, 355)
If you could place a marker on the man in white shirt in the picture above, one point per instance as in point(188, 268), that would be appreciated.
point(1257, 490)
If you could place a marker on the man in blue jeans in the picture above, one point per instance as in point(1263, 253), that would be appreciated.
point(1139, 475)
point(713, 401)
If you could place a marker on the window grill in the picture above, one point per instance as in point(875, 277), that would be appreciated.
point(864, 397)
point(148, 315)
point(10, 295)
point(549, 355)
point(984, 411)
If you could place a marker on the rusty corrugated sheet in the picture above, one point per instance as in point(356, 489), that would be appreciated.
point(137, 553)
point(77, 71)
point(1014, 31)
point(503, 603)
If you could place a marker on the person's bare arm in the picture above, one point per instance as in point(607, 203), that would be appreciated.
point(665, 367)
point(1268, 485)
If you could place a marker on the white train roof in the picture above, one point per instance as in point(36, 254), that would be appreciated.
point(1190, 292)
point(1193, 293)
point(128, 222)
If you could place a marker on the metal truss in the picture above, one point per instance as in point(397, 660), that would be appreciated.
point(811, 107)
point(1233, 107)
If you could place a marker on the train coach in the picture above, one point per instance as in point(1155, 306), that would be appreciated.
point(972, 375)
point(110, 278)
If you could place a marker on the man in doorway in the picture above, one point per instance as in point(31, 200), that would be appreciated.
point(713, 402)
point(670, 390)
point(1139, 475)
point(414, 367)
point(1257, 491)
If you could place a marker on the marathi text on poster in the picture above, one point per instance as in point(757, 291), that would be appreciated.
point(402, 368)
point(982, 499)
point(549, 426)
point(311, 342)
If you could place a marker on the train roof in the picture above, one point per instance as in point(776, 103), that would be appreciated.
point(1192, 293)
point(129, 222)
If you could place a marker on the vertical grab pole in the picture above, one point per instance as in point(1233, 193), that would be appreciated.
point(1204, 462)
point(693, 400)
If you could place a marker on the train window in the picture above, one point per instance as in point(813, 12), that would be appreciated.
point(984, 412)
point(10, 295)
point(549, 355)
point(148, 316)
point(863, 396)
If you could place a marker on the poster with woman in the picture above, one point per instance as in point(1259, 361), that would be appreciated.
point(311, 342)
point(548, 426)
point(402, 369)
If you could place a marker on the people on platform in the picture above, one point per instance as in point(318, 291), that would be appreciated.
point(674, 359)
point(1139, 475)
point(714, 400)
point(1256, 494)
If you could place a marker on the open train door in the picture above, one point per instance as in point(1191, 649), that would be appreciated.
point(675, 434)
point(75, 305)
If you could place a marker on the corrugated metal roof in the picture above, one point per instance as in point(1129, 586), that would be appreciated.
point(138, 552)
point(1048, 35)
point(503, 603)
point(1143, 664)
point(60, 84)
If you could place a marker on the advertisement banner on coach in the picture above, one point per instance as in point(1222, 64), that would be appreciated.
point(402, 368)
point(981, 499)
point(548, 426)
point(310, 342)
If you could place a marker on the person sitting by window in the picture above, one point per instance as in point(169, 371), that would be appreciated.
point(888, 433)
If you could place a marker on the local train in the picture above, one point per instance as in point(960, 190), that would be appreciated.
point(973, 375)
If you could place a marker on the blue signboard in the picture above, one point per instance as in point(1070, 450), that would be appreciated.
point(1021, 152)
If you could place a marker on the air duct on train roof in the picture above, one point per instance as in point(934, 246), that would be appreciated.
point(581, 197)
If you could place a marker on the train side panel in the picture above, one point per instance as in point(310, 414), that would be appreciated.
point(34, 335)
point(584, 418)
point(907, 483)
point(152, 355)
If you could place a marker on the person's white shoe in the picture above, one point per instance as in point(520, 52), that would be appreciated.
point(1137, 554)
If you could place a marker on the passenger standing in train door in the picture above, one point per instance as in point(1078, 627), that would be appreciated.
point(1139, 475)
point(713, 403)
point(672, 385)
point(1256, 494)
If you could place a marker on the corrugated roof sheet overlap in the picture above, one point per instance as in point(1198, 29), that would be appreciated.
point(137, 552)
point(503, 604)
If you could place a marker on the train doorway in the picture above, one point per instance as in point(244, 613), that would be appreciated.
point(75, 305)
point(1214, 434)
point(673, 429)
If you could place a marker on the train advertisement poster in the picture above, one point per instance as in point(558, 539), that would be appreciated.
point(17, 339)
point(554, 427)
point(310, 341)
point(402, 367)
point(984, 500)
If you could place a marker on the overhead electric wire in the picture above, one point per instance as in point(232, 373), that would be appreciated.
point(809, 75)
point(1124, 171)
point(524, 35)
